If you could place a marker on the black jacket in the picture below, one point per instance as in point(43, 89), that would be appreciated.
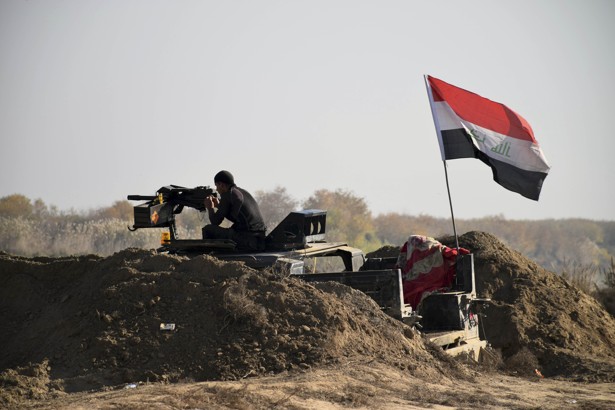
point(239, 207)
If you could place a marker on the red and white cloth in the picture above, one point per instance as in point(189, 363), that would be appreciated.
point(426, 266)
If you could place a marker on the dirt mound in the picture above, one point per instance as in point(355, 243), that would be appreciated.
point(90, 322)
point(536, 319)
point(384, 252)
point(536, 316)
point(79, 323)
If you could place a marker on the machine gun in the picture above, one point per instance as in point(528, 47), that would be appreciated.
point(296, 231)
point(159, 211)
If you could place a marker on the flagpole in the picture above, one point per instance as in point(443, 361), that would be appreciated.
point(450, 202)
point(439, 133)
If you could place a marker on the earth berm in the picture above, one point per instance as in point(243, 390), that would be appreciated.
point(77, 330)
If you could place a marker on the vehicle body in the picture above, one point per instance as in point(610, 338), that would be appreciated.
point(297, 247)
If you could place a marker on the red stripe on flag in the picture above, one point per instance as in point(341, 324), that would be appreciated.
point(482, 111)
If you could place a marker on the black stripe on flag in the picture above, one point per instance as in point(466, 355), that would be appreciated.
point(526, 183)
point(457, 144)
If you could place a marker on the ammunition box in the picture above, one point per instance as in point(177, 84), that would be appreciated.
point(148, 215)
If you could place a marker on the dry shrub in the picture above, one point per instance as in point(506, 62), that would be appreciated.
point(523, 363)
point(606, 297)
point(491, 359)
point(582, 276)
point(609, 274)
point(240, 306)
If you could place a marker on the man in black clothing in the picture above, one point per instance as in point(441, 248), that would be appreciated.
point(239, 207)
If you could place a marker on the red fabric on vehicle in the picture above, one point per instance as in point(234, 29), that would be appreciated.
point(429, 267)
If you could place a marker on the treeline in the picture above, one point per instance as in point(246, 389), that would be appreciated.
point(567, 246)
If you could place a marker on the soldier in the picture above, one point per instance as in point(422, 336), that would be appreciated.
point(238, 206)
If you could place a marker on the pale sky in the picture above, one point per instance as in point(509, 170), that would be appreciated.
point(102, 99)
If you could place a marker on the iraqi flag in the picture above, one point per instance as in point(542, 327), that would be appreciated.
point(470, 126)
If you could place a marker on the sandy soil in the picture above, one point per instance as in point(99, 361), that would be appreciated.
point(84, 332)
point(361, 385)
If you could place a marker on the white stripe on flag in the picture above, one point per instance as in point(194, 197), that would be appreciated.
point(519, 153)
point(447, 119)
point(514, 151)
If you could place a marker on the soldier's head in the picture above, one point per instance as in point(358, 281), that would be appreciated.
point(224, 181)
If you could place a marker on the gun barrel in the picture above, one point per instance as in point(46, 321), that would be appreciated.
point(141, 197)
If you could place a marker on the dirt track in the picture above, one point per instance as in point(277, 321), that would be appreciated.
point(82, 323)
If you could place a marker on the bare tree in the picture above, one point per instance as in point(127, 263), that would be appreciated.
point(348, 217)
point(275, 205)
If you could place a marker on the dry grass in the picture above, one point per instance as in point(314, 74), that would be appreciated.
point(523, 363)
point(582, 276)
point(28, 237)
point(240, 306)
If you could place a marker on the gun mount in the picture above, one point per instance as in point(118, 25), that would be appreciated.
point(159, 211)
point(296, 231)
